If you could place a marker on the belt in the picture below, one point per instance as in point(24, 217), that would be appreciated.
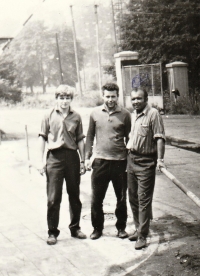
point(132, 151)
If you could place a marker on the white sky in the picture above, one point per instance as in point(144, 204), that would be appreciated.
point(13, 13)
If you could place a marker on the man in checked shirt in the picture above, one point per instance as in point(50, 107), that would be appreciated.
point(62, 129)
point(146, 150)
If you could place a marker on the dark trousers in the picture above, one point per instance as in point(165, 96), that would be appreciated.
point(141, 182)
point(105, 171)
point(63, 164)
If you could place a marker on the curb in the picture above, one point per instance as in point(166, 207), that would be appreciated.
point(183, 143)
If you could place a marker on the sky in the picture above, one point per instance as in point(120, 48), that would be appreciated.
point(14, 13)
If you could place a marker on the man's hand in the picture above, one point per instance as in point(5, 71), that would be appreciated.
point(160, 164)
point(82, 169)
point(39, 166)
point(88, 165)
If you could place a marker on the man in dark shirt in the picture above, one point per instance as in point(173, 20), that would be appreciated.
point(110, 124)
point(62, 130)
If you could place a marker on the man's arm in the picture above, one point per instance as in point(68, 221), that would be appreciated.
point(89, 142)
point(81, 148)
point(160, 153)
point(41, 142)
point(127, 127)
point(39, 165)
point(159, 136)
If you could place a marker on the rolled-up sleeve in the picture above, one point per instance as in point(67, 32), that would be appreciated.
point(158, 126)
point(44, 131)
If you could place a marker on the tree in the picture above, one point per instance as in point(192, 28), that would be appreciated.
point(32, 58)
point(165, 31)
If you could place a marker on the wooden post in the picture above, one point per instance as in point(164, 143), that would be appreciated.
point(59, 60)
point(181, 186)
point(27, 146)
point(76, 53)
point(114, 27)
point(98, 50)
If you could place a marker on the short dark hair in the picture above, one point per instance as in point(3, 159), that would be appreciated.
point(141, 89)
point(110, 87)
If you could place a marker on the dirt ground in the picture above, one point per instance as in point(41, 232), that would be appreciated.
point(176, 220)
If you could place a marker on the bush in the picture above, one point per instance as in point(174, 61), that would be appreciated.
point(184, 105)
point(94, 86)
point(38, 100)
point(10, 94)
point(89, 99)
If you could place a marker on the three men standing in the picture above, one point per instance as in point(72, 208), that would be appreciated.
point(110, 125)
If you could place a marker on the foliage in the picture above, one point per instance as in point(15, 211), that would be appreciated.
point(32, 57)
point(110, 70)
point(90, 99)
point(164, 31)
point(184, 105)
point(10, 95)
point(94, 86)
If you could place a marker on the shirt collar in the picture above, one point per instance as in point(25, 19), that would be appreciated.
point(117, 108)
point(57, 108)
point(144, 111)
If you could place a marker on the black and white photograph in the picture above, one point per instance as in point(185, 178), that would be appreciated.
point(99, 138)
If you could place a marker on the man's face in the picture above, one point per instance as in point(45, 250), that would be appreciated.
point(64, 101)
point(110, 98)
point(138, 101)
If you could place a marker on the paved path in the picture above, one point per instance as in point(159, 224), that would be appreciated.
point(23, 248)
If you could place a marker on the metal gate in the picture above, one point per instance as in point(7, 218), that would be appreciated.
point(148, 76)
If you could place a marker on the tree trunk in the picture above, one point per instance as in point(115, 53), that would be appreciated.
point(44, 88)
point(31, 87)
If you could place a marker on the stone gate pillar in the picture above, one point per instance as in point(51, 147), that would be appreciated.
point(178, 79)
point(125, 58)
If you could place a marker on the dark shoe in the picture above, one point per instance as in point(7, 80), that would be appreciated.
point(51, 240)
point(140, 243)
point(78, 234)
point(96, 234)
point(134, 236)
point(122, 234)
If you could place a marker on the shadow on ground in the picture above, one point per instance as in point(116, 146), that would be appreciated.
point(177, 253)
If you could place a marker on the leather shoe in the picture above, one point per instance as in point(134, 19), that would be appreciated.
point(134, 236)
point(140, 243)
point(51, 240)
point(122, 234)
point(78, 234)
point(96, 234)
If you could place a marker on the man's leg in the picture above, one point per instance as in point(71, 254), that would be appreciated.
point(141, 179)
point(55, 176)
point(146, 182)
point(133, 190)
point(72, 177)
point(119, 179)
point(100, 181)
